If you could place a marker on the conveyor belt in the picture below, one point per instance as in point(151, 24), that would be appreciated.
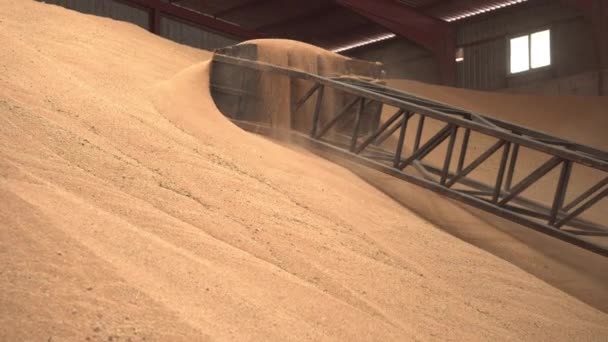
point(453, 178)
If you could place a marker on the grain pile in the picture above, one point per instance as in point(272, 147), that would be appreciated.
point(276, 94)
point(131, 209)
point(577, 118)
point(582, 119)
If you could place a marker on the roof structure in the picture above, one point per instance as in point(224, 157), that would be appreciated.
point(328, 23)
point(341, 25)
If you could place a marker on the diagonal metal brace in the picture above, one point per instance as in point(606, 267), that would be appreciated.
point(342, 113)
point(475, 163)
point(379, 131)
point(427, 148)
point(533, 177)
point(306, 96)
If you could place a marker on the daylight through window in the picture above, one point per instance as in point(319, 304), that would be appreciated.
point(530, 51)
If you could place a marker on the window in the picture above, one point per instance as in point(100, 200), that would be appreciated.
point(459, 55)
point(531, 51)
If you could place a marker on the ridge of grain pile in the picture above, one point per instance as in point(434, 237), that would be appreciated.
point(132, 209)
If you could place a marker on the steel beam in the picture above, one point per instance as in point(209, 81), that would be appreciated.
point(307, 18)
point(419, 131)
point(382, 138)
point(475, 163)
point(317, 113)
point(448, 155)
point(304, 98)
point(431, 33)
point(401, 142)
point(428, 147)
point(488, 126)
point(531, 179)
point(560, 192)
point(582, 208)
point(341, 114)
point(380, 129)
point(243, 6)
point(355, 135)
point(511, 170)
point(154, 16)
point(160, 9)
point(463, 149)
point(501, 172)
point(586, 194)
point(495, 197)
point(328, 150)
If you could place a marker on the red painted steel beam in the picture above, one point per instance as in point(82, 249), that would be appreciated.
point(158, 8)
point(243, 6)
point(154, 16)
point(305, 18)
point(433, 34)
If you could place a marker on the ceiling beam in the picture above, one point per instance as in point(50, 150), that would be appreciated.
point(347, 36)
point(430, 5)
point(237, 8)
point(586, 6)
point(431, 33)
point(297, 20)
point(158, 8)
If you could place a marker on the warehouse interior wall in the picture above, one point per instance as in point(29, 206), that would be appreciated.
point(576, 68)
point(401, 59)
point(106, 8)
point(170, 28)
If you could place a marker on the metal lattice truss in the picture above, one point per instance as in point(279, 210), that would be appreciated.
point(454, 175)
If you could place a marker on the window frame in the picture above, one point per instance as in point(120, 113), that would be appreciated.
point(528, 34)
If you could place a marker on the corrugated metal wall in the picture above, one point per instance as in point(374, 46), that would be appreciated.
point(192, 35)
point(401, 59)
point(106, 8)
point(485, 42)
point(484, 66)
point(171, 29)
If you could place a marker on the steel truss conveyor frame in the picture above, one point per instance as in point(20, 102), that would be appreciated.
point(502, 197)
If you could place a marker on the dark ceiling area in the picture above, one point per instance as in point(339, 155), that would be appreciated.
point(320, 22)
point(337, 25)
point(327, 23)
